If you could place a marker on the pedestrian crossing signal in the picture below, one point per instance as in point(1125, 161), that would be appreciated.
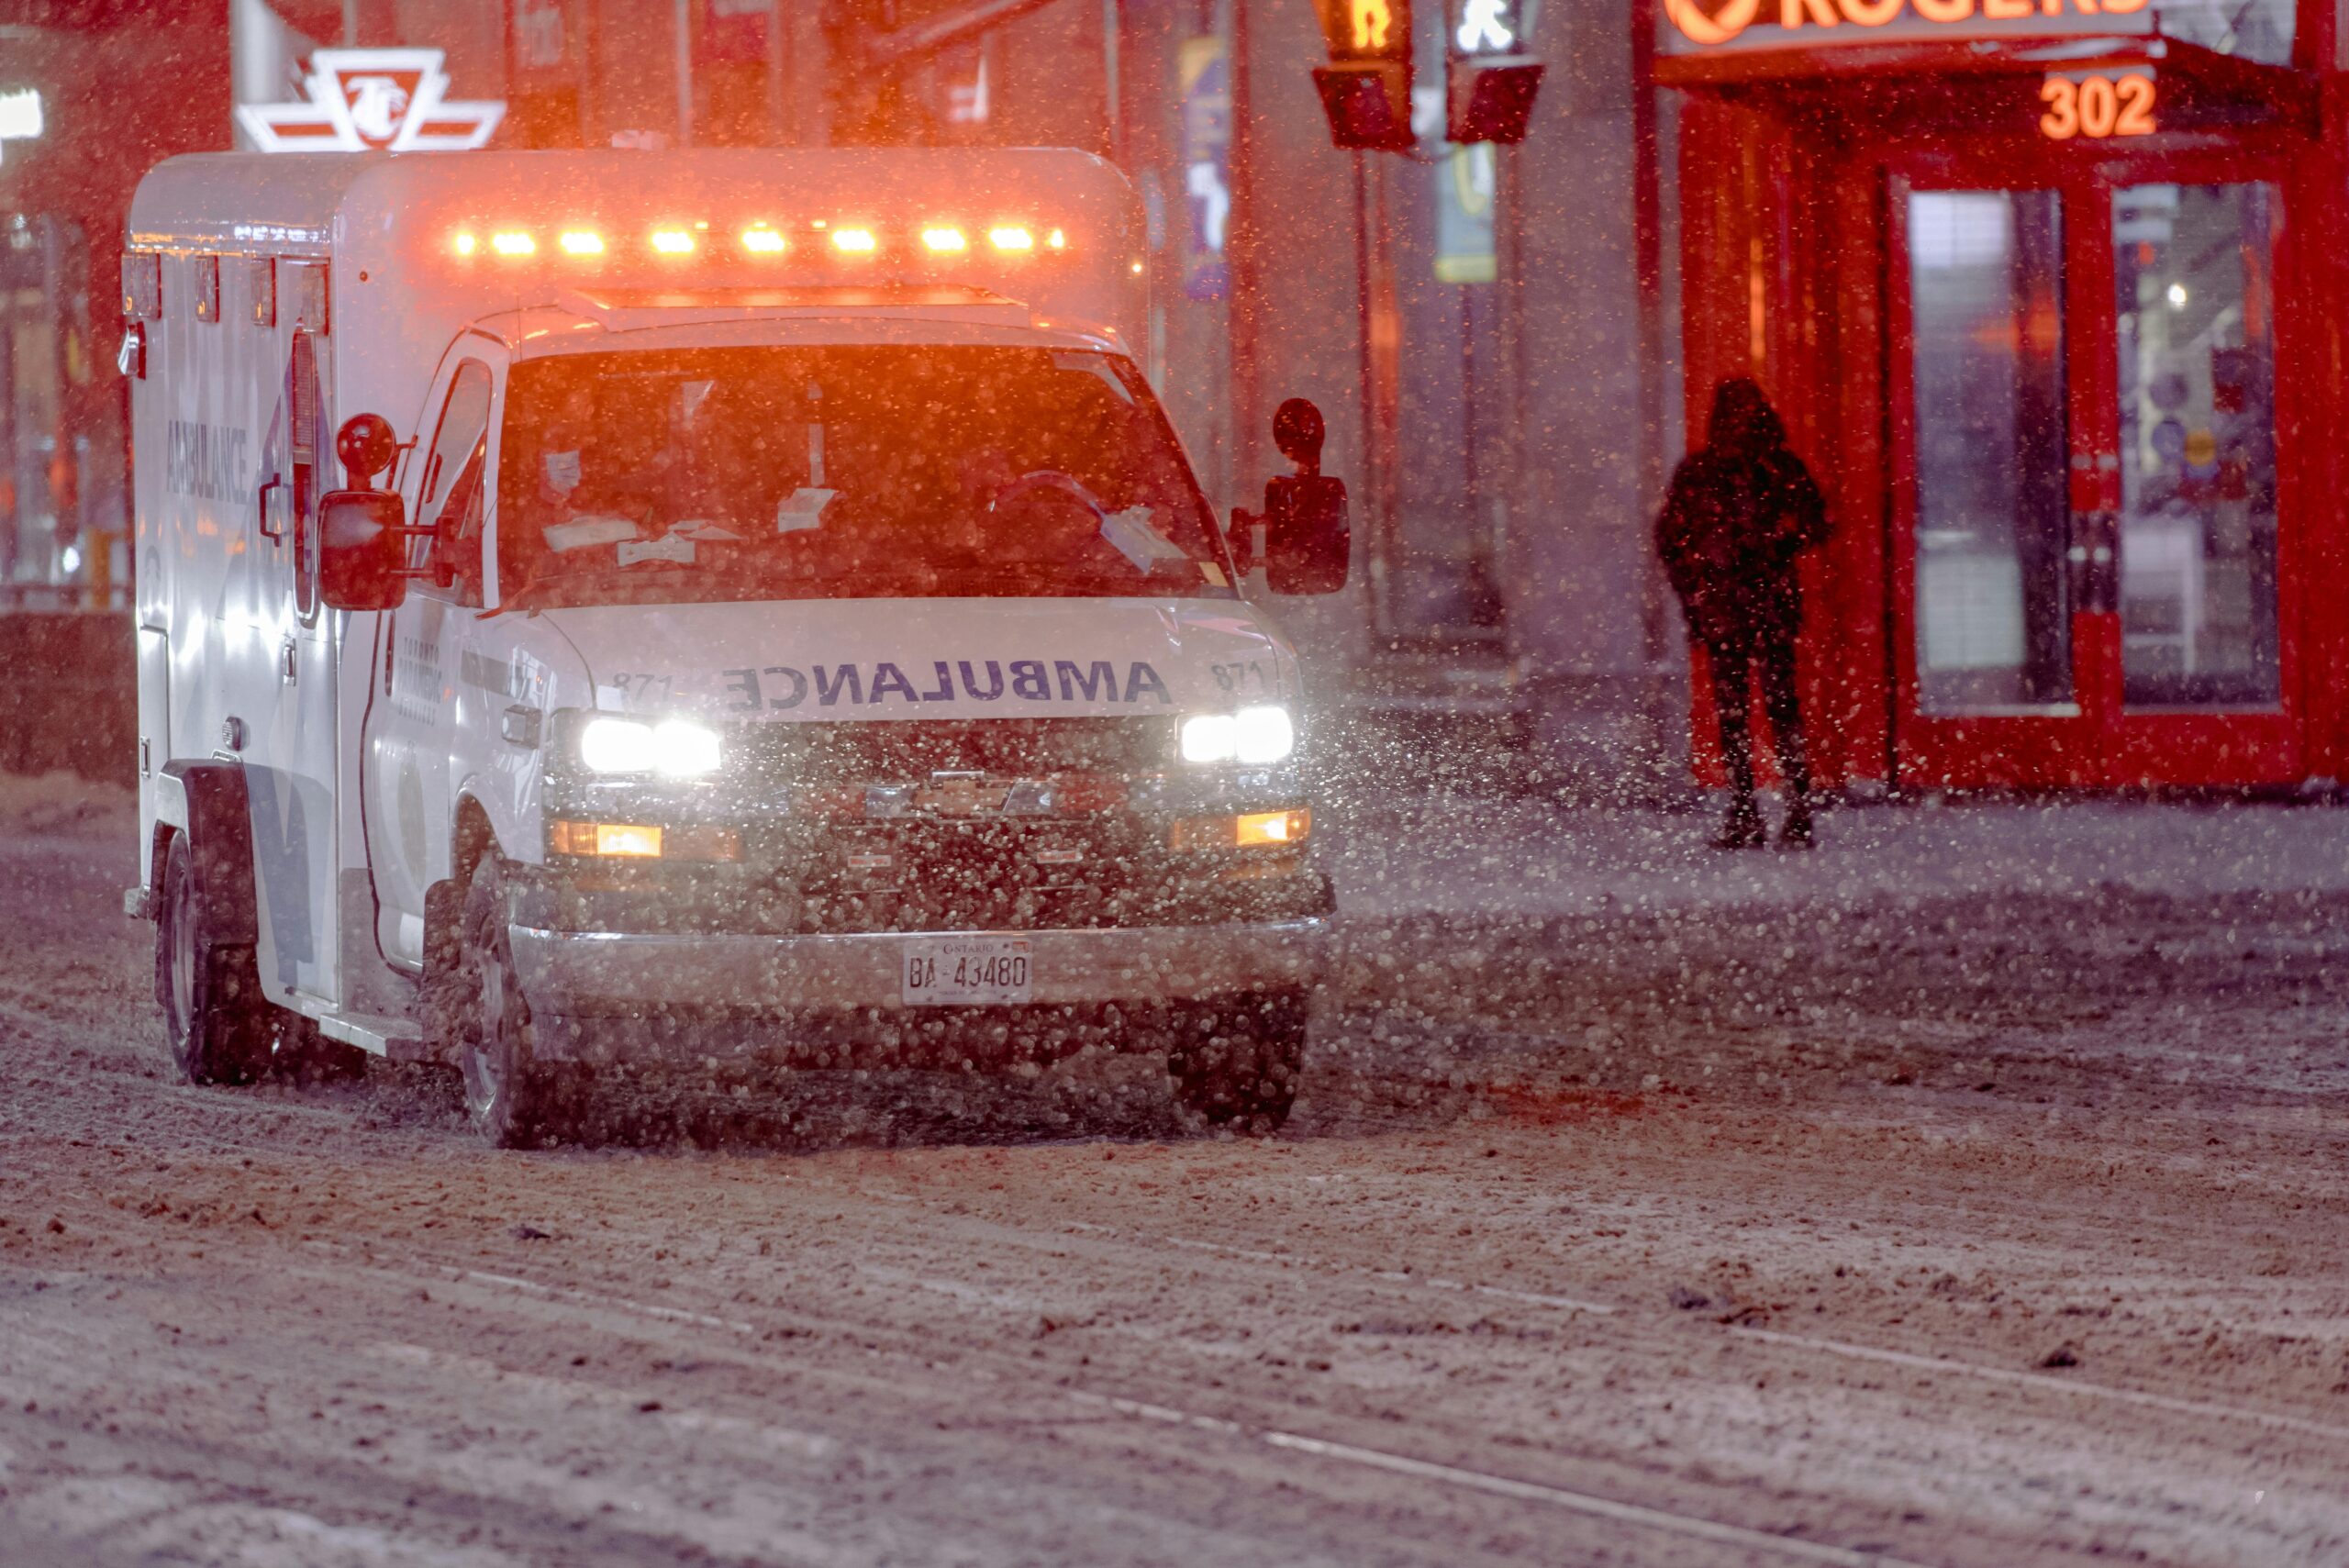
point(1490, 75)
point(1490, 102)
point(1368, 105)
point(1366, 32)
point(1366, 87)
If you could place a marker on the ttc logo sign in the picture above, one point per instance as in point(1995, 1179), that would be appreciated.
point(372, 100)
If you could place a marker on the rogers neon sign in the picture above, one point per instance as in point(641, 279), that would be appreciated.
point(1800, 24)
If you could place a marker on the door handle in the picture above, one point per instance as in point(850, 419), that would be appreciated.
point(2095, 563)
point(260, 503)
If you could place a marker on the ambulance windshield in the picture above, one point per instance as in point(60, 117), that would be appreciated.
point(865, 471)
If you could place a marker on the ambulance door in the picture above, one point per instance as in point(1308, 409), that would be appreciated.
point(290, 764)
point(414, 742)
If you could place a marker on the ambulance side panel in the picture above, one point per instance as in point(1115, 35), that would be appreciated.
point(249, 660)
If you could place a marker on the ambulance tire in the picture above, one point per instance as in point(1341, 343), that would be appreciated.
point(1235, 1060)
point(218, 1024)
point(515, 1101)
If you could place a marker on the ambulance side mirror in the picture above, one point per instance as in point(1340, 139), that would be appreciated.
point(363, 550)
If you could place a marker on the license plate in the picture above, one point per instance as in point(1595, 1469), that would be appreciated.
point(967, 971)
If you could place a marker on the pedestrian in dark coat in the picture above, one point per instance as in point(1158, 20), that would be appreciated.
point(1742, 508)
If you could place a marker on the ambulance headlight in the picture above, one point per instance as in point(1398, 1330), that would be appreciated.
point(1266, 734)
point(1210, 737)
point(1254, 735)
point(685, 750)
point(673, 748)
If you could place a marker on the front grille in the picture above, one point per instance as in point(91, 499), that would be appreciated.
point(955, 825)
point(909, 751)
point(918, 874)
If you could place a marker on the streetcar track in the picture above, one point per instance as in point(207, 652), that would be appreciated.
point(1316, 1265)
point(1669, 1521)
point(1911, 1360)
point(2041, 1380)
point(1663, 1520)
point(1844, 1350)
point(864, 1333)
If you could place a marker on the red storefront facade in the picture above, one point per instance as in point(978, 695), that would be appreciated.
point(2050, 297)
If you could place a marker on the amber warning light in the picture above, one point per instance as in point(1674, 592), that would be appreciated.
point(676, 242)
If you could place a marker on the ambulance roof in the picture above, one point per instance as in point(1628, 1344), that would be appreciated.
point(421, 245)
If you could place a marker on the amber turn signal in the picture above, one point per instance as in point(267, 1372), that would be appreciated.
point(1254, 829)
point(640, 842)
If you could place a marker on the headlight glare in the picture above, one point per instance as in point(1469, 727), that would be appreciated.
point(1264, 734)
point(674, 747)
point(617, 746)
point(684, 751)
point(1210, 737)
point(1257, 735)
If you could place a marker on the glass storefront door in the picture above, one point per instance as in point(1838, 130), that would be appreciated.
point(2085, 499)
point(2194, 379)
point(1993, 624)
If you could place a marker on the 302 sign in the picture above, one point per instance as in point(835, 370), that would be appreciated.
point(2096, 106)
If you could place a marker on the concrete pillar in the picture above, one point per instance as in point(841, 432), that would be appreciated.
point(1584, 591)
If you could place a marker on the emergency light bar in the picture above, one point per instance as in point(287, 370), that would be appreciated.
point(760, 239)
point(1051, 241)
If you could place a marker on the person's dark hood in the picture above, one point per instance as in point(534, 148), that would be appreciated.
point(1744, 424)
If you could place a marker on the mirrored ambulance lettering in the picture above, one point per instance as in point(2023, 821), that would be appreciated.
point(783, 686)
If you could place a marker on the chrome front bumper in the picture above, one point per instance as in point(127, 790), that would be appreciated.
point(591, 973)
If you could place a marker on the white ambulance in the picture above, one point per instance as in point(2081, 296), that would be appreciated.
point(607, 611)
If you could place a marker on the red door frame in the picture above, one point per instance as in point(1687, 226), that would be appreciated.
point(2059, 746)
point(2095, 741)
point(2241, 746)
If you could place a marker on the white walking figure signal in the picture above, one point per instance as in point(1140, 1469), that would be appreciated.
point(1483, 26)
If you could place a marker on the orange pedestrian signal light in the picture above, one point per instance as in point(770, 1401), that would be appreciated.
point(1366, 87)
point(1358, 31)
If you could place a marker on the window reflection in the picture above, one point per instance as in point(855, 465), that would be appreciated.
point(2196, 376)
point(1986, 291)
point(2248, 29)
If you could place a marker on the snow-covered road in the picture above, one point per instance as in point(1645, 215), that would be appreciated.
point(1973, 1193)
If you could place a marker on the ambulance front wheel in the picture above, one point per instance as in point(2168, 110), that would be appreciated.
point(215, 1017)
point(515, 1101)
point(1235, 1060)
